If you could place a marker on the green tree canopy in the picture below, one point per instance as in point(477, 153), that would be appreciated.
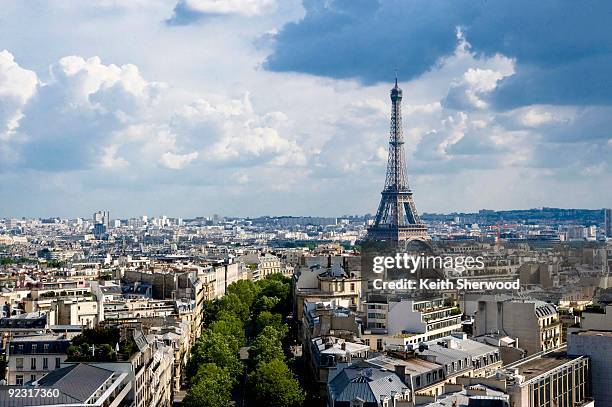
point(272, 385)
point(232, 304)
point(231, 327)
point(210, 311)
point(246, 290)
point(211, 387)
point(265, 303)
point(213, 347)
point(266, 318)
point(267, 346)
point(275, 285)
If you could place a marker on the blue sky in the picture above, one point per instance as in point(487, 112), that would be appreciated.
point(251, 107)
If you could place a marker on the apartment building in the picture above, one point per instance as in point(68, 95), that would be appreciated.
point(325, 353)
point(357, 385)
point(149, 371)
point(29, 358)
point(103, 387)
point(327, 319)
point(408, 322)
point(434, 364)
point(321, 279)
point(125, 309)
point(534, 324)
point(597, 346)
point(552, 379)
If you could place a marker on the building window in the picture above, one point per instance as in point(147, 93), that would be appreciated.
point(45, 363)
point(33, 363)
point(379, 344)
point(19, 363)
point(57, 363)
point(33, 377)
point(19, 380)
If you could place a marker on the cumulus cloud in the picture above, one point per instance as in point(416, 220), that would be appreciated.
point(484, 114)
point(187, 11)
point(234, 132)
point(17, 86)
point(177, 161)
point(75, 112)
point(110, 160)
point(345, 39)
point(89, 114)
point(473, 88)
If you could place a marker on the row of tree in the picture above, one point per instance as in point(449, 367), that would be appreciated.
point(248, 310)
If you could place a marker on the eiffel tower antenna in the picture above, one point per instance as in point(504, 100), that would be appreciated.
point(397, 219)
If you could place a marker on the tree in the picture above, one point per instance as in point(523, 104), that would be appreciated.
point(266, 318)
point(272, 385)
point(210, 311)
point(213, 347)
point(98, 336)
point(267, 346)
point(231, 327)
point(79, 352)
point(232, 304)
point(211, 388)
point(279, 286)
point(246, 290)
point(275, 285)
point(265, 303)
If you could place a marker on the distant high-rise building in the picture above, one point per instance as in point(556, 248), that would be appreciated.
point(397, 219)
point(99, 230)
point(102, 217)
point(608, 222)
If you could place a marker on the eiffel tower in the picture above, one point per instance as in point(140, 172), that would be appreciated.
point(397, 220)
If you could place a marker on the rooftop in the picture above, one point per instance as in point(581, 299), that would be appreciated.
point(76, 384)
point(413, 365)
point(365, 383)
point(541, 365)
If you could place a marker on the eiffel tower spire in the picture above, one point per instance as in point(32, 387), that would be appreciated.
point(397, 219)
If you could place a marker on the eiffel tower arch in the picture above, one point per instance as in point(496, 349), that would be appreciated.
point(397, 219)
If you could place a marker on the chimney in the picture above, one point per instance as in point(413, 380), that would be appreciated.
point(329, 261)
point(400, 371)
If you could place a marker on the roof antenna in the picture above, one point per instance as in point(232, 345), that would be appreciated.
point(396, 78)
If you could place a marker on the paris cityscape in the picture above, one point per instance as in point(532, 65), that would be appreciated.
point(341, 204)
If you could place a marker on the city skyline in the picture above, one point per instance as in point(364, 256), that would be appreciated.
point(241, 125)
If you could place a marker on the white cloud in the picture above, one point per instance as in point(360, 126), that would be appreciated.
point(110, 160)
point(473, 88)
point(17, 86)
point(243, 7)
point(535, 116)
point(234, 132)
point(177, 161)
point(112, 88)
point(106, 124)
